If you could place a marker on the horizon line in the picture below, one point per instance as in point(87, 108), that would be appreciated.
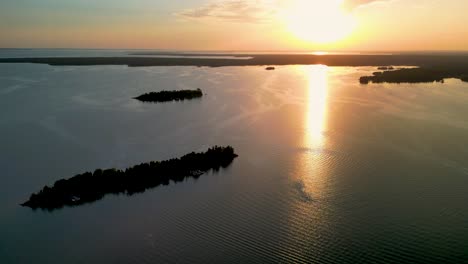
point(241, 50)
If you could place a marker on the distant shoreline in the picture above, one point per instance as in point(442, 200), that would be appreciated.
point(451, 61)
point(431, 67)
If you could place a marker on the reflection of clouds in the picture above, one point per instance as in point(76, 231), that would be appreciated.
point(153, 70)
point(18, 83)
point(186, 73)
point(85, 99)
point(60, 69)
point(11, 88)
point(312, 172)
point(300, 187)
point(51, 124)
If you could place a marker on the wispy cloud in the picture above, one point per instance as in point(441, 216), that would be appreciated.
point(234, 10)
point(352, 4)
point(250, 11)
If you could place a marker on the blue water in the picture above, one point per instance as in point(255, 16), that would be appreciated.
point(329, 171)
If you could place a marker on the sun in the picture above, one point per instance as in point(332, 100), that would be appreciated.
point(319, 21)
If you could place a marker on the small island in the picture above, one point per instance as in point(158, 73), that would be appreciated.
point(270, 68)
point(408, 75)
point(92, 186)
point(168, 96)
point(385, 68)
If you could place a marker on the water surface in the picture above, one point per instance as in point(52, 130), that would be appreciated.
point(329, 170)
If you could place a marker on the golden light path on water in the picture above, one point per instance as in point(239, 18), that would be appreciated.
point(316, 115)
point(310, 174)
point(311, 165)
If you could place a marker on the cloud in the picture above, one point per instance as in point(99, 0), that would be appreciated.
point(234, 10)
point(352, 4)
point(251, 11)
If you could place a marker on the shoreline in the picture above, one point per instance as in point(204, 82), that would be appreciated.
point(256, 60)
point(429, 67)
point(90, 187)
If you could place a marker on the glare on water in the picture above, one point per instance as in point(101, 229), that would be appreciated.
point(315, 118)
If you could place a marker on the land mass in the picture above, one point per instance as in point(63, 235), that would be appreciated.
point(90, 187)
point(256, 60)
point(167, 96)
point(416, 75)
point(440, 65)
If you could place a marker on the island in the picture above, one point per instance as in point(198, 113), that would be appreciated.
point(167, 96)
point(92, 186)
point(412, 75)
point(270, 68)
point(385, 68)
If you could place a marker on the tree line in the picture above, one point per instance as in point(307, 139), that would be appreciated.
point(167, 96)
point(92, 186)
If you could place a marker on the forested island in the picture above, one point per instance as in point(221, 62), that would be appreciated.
point(167, 96)
point(385, 68)
point(92, 186)
point(416, 75)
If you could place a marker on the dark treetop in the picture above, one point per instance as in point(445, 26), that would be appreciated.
point(89, 187)
point(166, 96)
point(417, 75)
point(385, 68)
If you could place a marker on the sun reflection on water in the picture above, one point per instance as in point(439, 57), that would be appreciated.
point(316, 111)
point(311, 171)
point(310, 176)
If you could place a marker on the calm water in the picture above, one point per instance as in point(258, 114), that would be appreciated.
point(329, 171)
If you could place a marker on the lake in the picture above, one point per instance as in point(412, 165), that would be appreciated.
point(329, 170)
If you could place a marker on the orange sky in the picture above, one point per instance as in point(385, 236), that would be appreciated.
point(236, 24)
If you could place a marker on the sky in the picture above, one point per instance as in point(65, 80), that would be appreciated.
point(243, 25)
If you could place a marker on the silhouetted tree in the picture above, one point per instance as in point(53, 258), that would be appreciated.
point(89, 187)
point(167, 96)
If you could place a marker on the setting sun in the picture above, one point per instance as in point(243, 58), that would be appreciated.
point(319, 21)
